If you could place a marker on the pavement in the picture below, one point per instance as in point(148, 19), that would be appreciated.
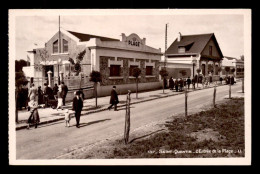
point(49, 115)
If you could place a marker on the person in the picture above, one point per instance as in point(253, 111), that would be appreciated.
point(34, 117)
point(171, 83)
point(165, 83)
point(184, 83)
point(40, 95)
point(176, 84)
point(55, 89)
point(181, 84)
point(188, 82)
point(82, 95)
point(232, 80)
point(210, 79)
point(77, 106)
point(67, 118)
point(220, 79)
point(193, 81)
point(46, 94)
point(64, 92)
point(203, 81)
point(59, 99)
point(113, 99)
point(33, 92)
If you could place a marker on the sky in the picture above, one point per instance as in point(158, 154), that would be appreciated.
point(39, 28)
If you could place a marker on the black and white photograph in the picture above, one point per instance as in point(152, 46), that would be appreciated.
point(130, 87)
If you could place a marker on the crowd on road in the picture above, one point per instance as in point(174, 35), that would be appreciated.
point(55, 97)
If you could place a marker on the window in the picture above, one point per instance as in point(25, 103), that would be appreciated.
point(114, 70)
point(210, 50)
point(149, 70)
point(131, 69)
point(55, 47)
point(181, 49)
point(65, 46)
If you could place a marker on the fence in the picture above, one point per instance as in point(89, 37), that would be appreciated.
point(73, 82)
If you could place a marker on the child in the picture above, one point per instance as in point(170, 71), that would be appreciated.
point(67, 118)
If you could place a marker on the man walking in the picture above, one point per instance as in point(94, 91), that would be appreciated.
point(113, 99)
point(46, 94)
point(188, 82)
point(77, 107)
point(64, 91)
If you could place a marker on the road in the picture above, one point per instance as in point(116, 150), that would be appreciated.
point(52, 140)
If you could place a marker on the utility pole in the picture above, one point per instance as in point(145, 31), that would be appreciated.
point(59, 37)
point(165, 45)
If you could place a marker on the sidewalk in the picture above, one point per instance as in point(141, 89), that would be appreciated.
point(49, 115)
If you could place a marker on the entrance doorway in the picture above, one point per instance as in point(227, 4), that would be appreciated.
point(49, 68)
point(203, 69)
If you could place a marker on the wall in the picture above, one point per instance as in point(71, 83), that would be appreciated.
point(122, 89)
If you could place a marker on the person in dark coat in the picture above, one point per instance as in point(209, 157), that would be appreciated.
point(232, 80)
point(40, 95)
point(181, 84)
point(220, 79)
point(113, 99)
point(55, 89)
point(188, 82)
point(47, 92)
point(171, 83)
point(176, 85)
point(193, 81)
point(77, 107)
point(64, 91)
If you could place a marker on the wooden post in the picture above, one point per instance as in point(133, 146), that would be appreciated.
point(242, 85)
point(214, 96)
point(137, 87)
point(163, 84)
point(127, 117)
point(229, 90)
point(186, 102)
point(96, 92)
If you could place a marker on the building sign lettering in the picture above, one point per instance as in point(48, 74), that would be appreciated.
point(134, 42)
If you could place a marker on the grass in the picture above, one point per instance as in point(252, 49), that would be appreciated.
point(212, 133)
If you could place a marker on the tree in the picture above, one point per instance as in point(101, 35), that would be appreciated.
point(233, 70)
point(19, 64)
point(242, 57)
point(136, 74)
point(95, 77)
point(227, 69)
point(198, 71)
point(164, 73)
point(79, 58)
point(19, 81)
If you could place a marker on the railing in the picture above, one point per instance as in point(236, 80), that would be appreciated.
point(73, 82)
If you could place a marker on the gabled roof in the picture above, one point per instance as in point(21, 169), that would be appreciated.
point(86, 37)
point(199, 42)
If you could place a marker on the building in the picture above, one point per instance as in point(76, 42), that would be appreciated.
point(191, 52)
point(113, 58)
point(233, 63)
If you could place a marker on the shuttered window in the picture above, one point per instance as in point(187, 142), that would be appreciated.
point(114, 70)
point(65, 46)
point(55, 47)
point(132, 67)
point(149, 70)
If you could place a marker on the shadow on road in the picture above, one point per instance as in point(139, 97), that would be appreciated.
point(92, 122)
point(146, 135)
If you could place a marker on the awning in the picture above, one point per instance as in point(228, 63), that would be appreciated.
point(54, 62)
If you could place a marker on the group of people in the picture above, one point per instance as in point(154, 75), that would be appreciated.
point(180, 83)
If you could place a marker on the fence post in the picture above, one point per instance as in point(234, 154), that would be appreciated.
point(214, 96)
point(229, 90)
point(127, 117)
point(186, 102)
point(242, 85)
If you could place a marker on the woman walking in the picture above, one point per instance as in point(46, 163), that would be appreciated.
point(34, 118)
point(60, 104)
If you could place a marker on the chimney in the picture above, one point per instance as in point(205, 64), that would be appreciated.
point(179, 37)
point(123, 37)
